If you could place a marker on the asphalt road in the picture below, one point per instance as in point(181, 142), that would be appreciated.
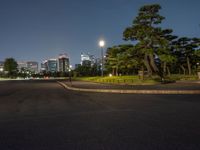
point(42, 115)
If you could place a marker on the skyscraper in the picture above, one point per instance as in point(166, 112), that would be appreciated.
point(87, 59)
point(63, 63)
point(44, 66)
point(52, 65)
point(59, 64)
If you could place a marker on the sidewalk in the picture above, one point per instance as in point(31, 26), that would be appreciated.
point(172, 88)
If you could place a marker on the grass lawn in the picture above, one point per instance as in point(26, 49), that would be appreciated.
point(3, 79)
point(131, 80)
point(134, 80)
point(178, 77)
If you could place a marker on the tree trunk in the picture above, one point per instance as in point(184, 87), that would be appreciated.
point(142, 72)
point(164, 68)
point(117, 71)
point(168, 72)
point(113, 71)
point(152, 62)
point(146, 63)
point(183, 68)
point(189, 66)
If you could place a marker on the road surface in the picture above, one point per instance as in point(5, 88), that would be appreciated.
point(42, 115)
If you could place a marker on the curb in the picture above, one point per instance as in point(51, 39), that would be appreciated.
point(131, 91)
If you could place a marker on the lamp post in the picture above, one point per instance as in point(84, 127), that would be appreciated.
point(70, 76)
point(101, 44)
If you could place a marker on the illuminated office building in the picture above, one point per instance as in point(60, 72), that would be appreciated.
point(63, 63)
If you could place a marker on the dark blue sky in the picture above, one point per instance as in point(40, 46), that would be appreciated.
point(41, 29)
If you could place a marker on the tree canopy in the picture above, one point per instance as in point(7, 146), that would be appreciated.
point(10, 66)
point(154, 48)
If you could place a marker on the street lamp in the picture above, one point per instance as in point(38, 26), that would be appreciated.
point(70, 76)
point(101, 44)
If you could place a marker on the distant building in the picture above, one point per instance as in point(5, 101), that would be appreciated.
point(29, 66)
point(87, 63)
point(92, 59)
point(63, 63)
point(21, 65)
point(84, 57)
point(98, 61)
point(77, 65)
point(52, 65)
point(1, 66)
point(87, 59)
point(32, 66)
point(44, 66)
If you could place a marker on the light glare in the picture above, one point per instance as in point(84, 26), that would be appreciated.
point(101, 43)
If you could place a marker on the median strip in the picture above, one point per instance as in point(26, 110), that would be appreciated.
point(131, 91)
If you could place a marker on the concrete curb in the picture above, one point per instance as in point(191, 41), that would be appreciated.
point(131, 91)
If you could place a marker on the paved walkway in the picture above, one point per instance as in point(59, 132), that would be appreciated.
point(182, 85)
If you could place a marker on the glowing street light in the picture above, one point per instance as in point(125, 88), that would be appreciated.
point(70, 76)
point(70, 67)
point(102, 44)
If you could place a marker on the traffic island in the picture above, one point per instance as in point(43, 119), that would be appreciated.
point(129, 91)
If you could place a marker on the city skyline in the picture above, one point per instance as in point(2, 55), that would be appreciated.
point(42, 29)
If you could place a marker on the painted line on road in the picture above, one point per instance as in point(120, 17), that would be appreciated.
point(131, 91)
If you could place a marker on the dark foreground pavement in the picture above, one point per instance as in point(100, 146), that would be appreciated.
point(41, 115)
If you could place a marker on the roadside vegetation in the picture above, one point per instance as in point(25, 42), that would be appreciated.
point(155, 50)
point(155, 55)
point(128, 80)
point(135, 79)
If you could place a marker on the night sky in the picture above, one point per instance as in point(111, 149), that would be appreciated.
point(41, 29)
